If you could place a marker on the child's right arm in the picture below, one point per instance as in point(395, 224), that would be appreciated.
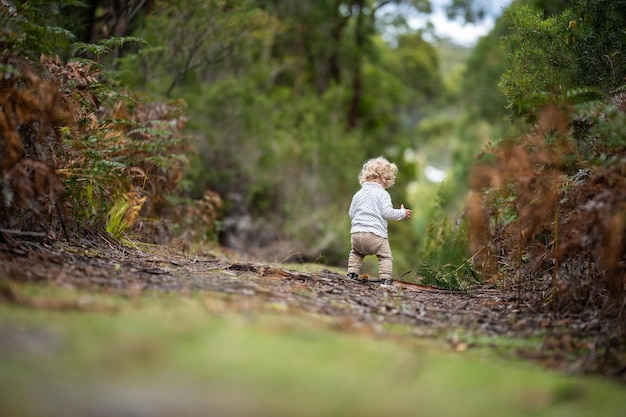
point(407, 212)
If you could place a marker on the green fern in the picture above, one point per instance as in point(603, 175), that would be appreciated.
point(583, 95)
point(116, 223)
point(104, 46)
point(427, 275)
point(534, 102)
point(449, 277)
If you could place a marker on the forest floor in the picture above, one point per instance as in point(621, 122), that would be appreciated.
point(479, 316)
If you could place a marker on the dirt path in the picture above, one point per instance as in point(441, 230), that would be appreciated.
point(458, 318)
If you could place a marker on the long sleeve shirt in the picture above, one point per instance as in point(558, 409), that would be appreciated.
point(370, 209)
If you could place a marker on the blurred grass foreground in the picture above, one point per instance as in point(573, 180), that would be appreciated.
point(200, 355)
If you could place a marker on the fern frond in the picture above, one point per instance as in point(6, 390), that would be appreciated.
point(104, 46)
point(582, 95)
point(116, 218)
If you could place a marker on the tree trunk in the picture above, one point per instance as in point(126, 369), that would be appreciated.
point(357, 80)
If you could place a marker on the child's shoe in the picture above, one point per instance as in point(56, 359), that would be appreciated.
point(386, 283)
point(352, 276)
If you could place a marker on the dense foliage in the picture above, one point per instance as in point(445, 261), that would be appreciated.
point(547, 210)
point(80, 154)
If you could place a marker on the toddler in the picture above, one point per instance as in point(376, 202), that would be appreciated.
point(370, 209)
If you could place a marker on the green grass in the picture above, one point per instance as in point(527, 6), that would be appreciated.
point(207, 354)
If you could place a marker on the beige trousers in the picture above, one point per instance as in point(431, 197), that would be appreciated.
point(364, 244)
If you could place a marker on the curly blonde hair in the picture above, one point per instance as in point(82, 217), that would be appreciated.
point(379, 169)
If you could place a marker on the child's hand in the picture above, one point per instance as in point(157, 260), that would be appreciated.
point(407, 211)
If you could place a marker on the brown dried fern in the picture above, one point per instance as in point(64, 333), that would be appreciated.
point(556, 226)
point(31, 111)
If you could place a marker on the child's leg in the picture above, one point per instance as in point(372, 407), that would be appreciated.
point(355, 260)
point(385, 260)
point(360, 248)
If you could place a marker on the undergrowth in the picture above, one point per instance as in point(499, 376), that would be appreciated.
point(80, 154)
point(443, 260)
point(546, 212)
point(451, 277)
point(548, 222)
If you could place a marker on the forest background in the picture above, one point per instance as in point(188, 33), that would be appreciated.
point(282, 103)
point(246, 123)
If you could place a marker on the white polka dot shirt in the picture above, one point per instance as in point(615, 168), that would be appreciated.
point(370, 209)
